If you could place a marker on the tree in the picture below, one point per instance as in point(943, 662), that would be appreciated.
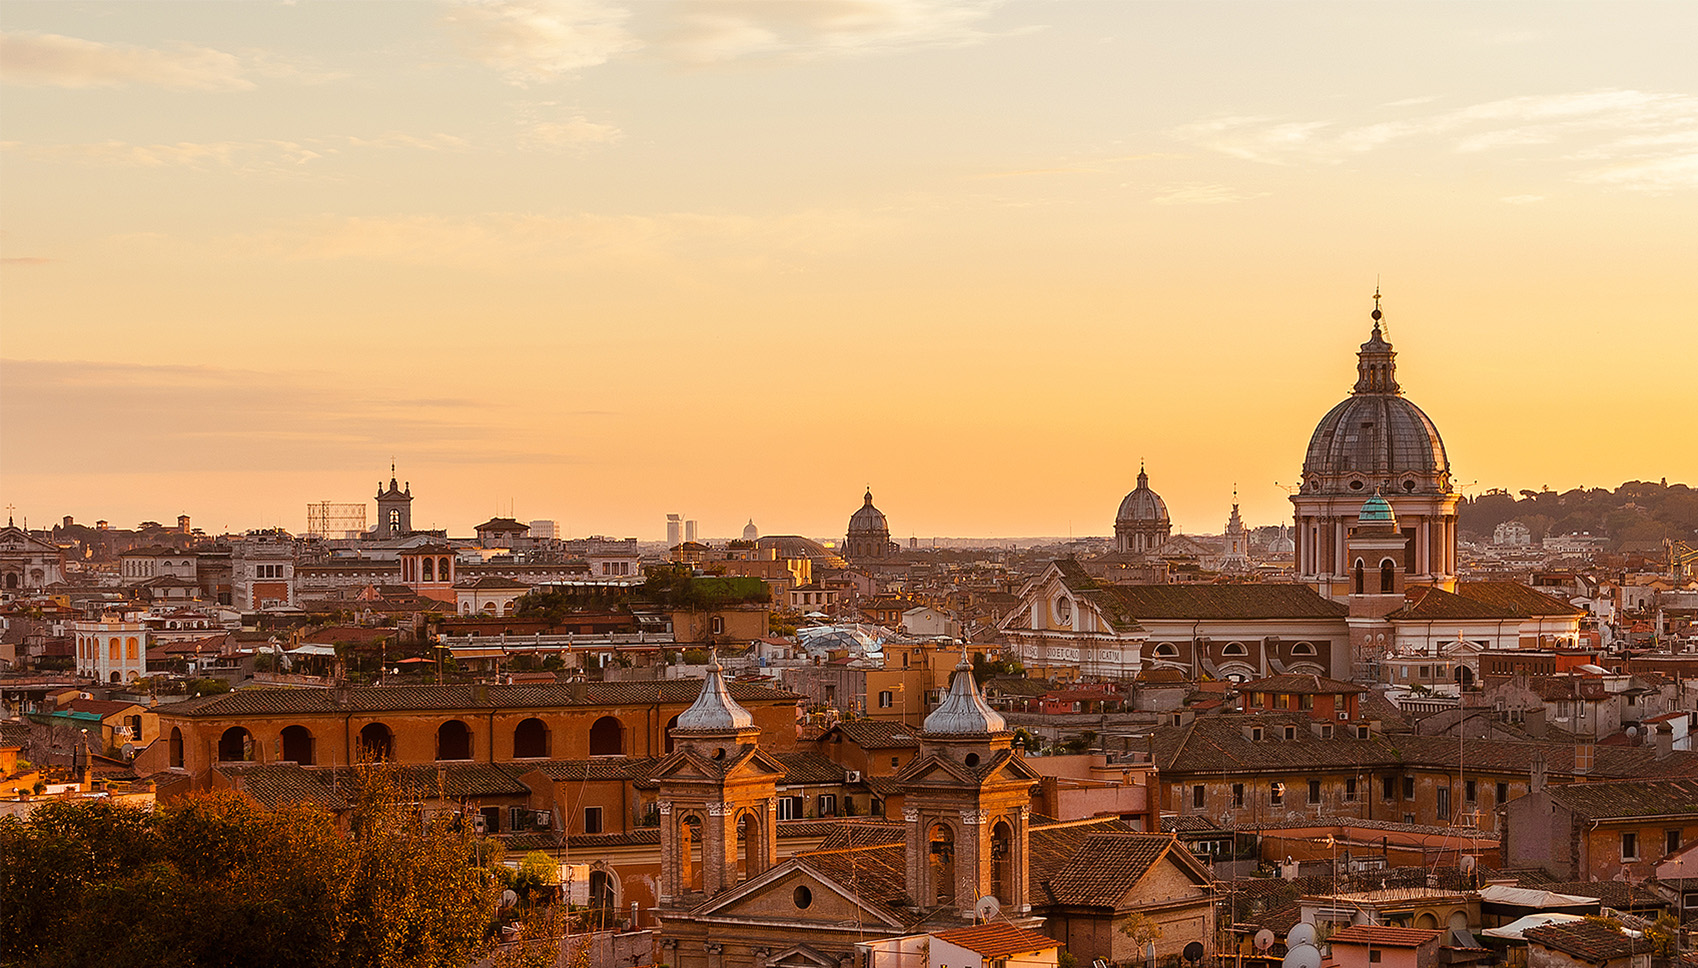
point(1140, 929)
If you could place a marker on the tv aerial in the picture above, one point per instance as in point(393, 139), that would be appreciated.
point(987, 908)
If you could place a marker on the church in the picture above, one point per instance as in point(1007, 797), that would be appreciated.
point(965, 851)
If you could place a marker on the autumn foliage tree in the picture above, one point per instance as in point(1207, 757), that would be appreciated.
point(215, 880)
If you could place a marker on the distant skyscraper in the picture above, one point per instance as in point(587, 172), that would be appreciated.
point(690, 530)
point(674, 530)
point(545, 529)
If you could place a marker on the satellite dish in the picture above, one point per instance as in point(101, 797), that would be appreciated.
point(1264, 939)
point(1301, 933)
point(1193, 951)
point(129, 750)
point(987, 908)
point(509, 898)
point(1302, 956)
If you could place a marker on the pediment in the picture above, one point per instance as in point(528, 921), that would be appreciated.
point(747, 762)
point(771, 898)
point(800, 956)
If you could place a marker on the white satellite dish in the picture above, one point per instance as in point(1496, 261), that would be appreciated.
point(1264, 939)
point(987, 908)
point(1301, 933)
point(509, 898)
point(1303, 956)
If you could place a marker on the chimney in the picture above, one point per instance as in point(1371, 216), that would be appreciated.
point(1664, 740)
point(480, 692)
point(68, 521)
point(1536, 781)
point(1533, 721)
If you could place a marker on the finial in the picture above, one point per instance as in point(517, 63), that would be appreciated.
point(966, 663)
point(1376, 314)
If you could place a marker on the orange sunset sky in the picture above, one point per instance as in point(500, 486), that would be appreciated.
point(598, 262)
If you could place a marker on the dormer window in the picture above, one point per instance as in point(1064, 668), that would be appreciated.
point(1256, 734)
point(1290, 732)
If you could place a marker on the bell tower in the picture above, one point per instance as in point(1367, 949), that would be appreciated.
point(967, 800)
point(394, 509)
point(718, 799)
point(1376, 555)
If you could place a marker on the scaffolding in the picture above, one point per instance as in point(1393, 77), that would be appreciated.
point(330, 520)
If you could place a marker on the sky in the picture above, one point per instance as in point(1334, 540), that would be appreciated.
point(600, 262)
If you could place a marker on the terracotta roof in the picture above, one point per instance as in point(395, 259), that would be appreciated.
point(1224, 601)
point(100, 707)
point(1383, 936)
point(865, 833)
point(279, 786)
point(874, 873)
point(600, 768)
point(1590, 941)
point(810, 768)
point(386, 698)
point(1053, 844)
point(1516, 598)
point(1106, 868)
point(997, 940)
point(1300, 684)
point(873, 734)
point(490, 582)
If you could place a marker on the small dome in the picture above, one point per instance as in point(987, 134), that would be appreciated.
point(868, 519)
point(750, 532)
point(1143, 504)
point(714, 710)
point(963, 711)
point(1377, 510)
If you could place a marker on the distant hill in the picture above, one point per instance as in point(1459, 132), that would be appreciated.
point(1636, 514)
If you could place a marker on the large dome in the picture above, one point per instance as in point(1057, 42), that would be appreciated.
point(1376, 437)
point(1142, 505)
point(868, 520)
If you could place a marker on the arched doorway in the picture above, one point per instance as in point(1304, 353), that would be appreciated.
point(377, 743)
point(297, 744)
point(176, 747)
point(690, 852)
point(602, 891)
point(607, 737)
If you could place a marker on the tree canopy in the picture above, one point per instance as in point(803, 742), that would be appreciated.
point(1637, 511)
point(215, 880)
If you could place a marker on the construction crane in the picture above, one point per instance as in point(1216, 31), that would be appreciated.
point(1682, 558)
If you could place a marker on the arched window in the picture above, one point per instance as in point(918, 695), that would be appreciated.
point(1358, 576)
point(607, 737)
point(740, 871)
point(176, 747)
point(112, 647)
point(1303, 648)
point(443, 572)
point(236, 746)
point(130, 648)
point(453, 741)
point(1234, 648)
point(489, 607)
point(530, 739)
point(670, 724)
point(297, 744)
point(1002, 855)
point(690, 852)
point(1167, 650)
point(1388, 572)
point(115, 678)
point(377, 743)
point(429, 564)
point(940, 840)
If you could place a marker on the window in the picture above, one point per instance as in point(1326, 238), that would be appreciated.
point(1629, 845)
point(1305, 702)
point(1290, 732)
point(454, 741)
point(1314, 791)
point(592, 820)
point(1326, 731)
point(719, 625)
point(1374, 955)
point(1388, 786)
point(1444, 804)
point(1468, 792)
point(1408, 788)
point(1350, 790)
point(1425, 672)
point(1408, 818)
point(828, 805)
point(1364, 732)
point(1255, 734)
point(895, 761)
point(607, 738)
point(1276, 793)
point(530, 739)
point(1238, 794)
point(1671, 841)
point(886, 699)
point(1503, 793)
point(791, 808)
point(1197, 796)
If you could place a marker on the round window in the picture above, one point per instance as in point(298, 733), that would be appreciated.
point(1409, 485)
point(1356, 485)
point(972, 759)
point(803, 896)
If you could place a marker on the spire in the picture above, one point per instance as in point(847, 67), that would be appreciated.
point(963, 710)
point(714, 710)
point(1143, 478)
point(868, 500)
point(1376, 362)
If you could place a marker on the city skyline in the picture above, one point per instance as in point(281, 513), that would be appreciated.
point(598, 263)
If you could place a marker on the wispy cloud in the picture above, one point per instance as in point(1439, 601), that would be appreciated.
point(1199, 194)
point(539, 40)
point(26, 261)
point(575, 132)
point(58, 61)
point(1638, 140)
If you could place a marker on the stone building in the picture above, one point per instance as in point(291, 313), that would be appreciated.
point(1142, 524)
point(868, 539)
